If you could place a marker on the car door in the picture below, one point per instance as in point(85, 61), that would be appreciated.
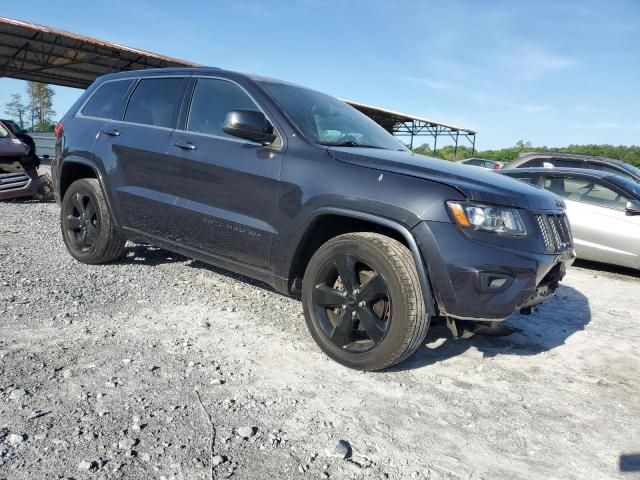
point(602, 230)
point(226, 189)
point(133, 153)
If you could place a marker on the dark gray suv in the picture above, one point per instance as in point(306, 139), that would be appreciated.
point(299, 190)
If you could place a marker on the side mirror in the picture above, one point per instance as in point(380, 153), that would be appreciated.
point(633, 207)
point(249, 124)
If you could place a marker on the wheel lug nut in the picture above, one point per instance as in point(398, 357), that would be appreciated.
point(361, 304)
point(344, 307)
point(356, 291)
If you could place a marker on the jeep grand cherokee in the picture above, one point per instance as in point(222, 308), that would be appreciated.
point(298, 189)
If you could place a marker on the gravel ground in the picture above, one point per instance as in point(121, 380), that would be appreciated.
point(162, 367)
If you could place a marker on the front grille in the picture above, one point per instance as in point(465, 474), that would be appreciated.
point(13, 181)
point(556, 232)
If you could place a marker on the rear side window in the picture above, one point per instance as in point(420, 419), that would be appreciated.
point(154, 101)
point(532, 164)
point(566, 163)
point(107, 99)
point(212, 99)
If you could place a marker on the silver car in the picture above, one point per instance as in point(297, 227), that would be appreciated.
point(603, 209)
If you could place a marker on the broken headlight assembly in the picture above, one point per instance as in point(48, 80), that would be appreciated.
point(487, 218)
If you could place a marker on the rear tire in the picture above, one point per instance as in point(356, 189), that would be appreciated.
point(87, 228)
point(375, 316)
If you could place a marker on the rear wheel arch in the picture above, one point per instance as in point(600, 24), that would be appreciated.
point(330, 223)
point(74, 170)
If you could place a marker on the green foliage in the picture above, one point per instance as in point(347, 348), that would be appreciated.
point(16, 110)
point(629, 154)
point(41, 106)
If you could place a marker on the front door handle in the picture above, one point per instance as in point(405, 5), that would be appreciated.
point(185, 145)
point(111, 133)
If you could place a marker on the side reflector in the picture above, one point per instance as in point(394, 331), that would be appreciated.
point(458, 214)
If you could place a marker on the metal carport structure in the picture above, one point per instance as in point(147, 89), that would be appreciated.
point(42, 54)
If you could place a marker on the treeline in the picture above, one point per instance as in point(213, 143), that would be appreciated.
point(36, 113)
point(630, 154)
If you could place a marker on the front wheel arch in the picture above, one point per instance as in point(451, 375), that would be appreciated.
point(370, 223)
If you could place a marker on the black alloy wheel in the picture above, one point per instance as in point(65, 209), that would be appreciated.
point(363, 301)
point(81, 221)
point(351, 302)
point(88, 230)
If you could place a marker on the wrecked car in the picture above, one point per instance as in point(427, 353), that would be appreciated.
point(19, 177)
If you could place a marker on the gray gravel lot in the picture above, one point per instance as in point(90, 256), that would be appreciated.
point(162, 367)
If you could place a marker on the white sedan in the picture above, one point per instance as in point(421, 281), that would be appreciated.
point(603, 210)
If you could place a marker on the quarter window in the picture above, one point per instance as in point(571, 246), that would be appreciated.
point(153, 102)
point(107, 100)
point(212, 100)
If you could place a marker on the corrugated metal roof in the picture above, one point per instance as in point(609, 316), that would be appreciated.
point(38, 53)
point(404, 117)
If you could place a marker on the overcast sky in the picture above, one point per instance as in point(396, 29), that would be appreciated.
point(549, 72)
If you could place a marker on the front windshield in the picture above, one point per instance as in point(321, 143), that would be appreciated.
point(328, 121)
point(3, 131)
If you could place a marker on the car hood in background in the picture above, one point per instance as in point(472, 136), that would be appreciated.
point(14, 156)
point(12, 147)
point(476, 184)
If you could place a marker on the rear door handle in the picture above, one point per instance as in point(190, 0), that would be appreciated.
point(185, 145)
point(111, 133)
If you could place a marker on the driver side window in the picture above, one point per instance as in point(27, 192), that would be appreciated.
point(212, 99)
point(585, 190)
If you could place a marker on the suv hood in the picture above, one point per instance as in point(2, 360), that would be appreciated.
point(475, 183)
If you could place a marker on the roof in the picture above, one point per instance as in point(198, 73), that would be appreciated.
point(568, 156)
point(42, 54)
point(585, 172)
point(403, 117)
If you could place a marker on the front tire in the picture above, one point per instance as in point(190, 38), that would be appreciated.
point(88, 230)
point(363, 302)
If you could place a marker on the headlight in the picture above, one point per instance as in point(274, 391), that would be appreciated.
point(488, 218)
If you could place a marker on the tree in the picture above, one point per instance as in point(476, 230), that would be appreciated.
point(424, 149)
point(16, 109)
point(629, 154)
point(41, 106)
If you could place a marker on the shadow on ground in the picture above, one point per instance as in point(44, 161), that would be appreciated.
point(139, 254)
point(547, 328)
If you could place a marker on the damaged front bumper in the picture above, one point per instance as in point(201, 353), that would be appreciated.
point(483, 282)
point(19, 178)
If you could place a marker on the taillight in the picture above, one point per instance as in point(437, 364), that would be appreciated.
point(58, 130)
